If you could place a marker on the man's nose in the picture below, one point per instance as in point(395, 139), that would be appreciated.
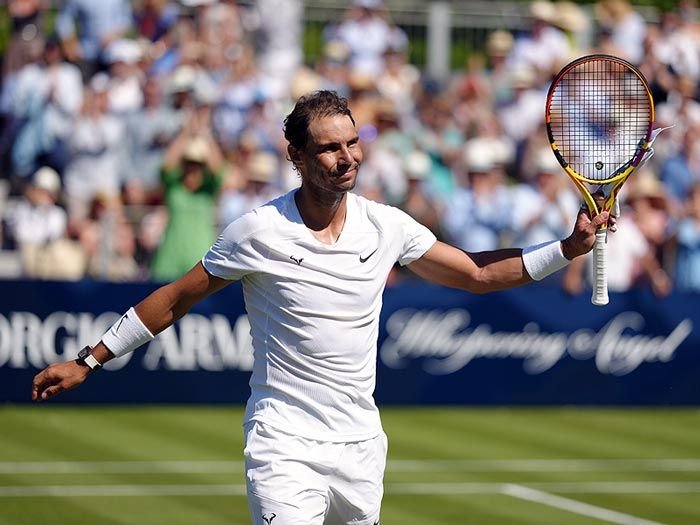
point(346, 155)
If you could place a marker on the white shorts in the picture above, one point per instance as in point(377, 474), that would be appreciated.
point(297, 481)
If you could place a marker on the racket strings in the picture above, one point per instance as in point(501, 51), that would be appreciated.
point(600, 116)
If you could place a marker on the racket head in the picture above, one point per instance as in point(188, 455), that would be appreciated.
point(599, 116)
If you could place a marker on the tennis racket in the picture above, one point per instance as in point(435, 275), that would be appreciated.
point(599, 117)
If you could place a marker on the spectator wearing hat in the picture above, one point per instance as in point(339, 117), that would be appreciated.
point(417, 201)
point(259, 186)
point(522, 115)
point(399, 81)
point(545, 47)
point(181, 86)
point(545, 205)
point(648, 200)
point(384, 175)
point(37, 219)
point(499, 44)
point(191, 177)
point(479, 214)
point(125, 95)
point(39, 227)
point(575, 23)
point(626, 27)
point(332, 68)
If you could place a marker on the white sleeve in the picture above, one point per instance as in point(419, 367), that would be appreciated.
point(417, 239)
point(234, 255)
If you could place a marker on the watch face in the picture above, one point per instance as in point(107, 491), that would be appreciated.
point(84, 352)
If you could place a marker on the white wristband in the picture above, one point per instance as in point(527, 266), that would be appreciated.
point(127, 334)
point(544, 259)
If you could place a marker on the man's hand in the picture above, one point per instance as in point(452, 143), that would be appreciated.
point(58, 378)
point(582, 238)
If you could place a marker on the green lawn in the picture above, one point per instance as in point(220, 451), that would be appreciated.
point(182, 465)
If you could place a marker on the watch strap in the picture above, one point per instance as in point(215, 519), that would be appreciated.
point(93, 363)
point(85, 356)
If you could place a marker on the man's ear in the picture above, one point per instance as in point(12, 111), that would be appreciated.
point(294, 156)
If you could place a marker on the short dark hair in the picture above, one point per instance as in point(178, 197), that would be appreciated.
point(322, 103)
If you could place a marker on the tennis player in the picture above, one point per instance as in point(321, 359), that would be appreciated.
point(314, 264)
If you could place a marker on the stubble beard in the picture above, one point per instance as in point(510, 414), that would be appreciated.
point(330, 196)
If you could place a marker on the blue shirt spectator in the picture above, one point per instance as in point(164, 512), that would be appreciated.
point(688, 256)
point(678, 173)
point(98, 23)
point(476, 218)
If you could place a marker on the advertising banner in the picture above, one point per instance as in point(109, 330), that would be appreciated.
point(530, 346)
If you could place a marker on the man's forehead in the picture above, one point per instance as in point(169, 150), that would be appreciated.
point(327, 128)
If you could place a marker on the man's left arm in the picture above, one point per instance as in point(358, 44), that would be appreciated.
point(507, 268)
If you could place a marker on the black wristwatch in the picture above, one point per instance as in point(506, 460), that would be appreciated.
point(85, 357)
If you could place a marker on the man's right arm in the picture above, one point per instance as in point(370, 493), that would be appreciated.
point(157, 312)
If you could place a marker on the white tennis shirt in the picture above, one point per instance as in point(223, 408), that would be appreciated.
point(314, 311)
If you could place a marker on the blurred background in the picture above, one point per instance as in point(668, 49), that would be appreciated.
point(133, 131)
point(106, 105)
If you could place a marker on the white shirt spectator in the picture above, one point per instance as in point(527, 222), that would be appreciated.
point(97, 154)
point(477, 223)
point(367, 38)
point(522, 116)
point(543, 50)
point(628, 36)
point(680, 50)
point(98, 146)
point(58, 87)
point(536, 220)
point(38, 225)
point(280, 53)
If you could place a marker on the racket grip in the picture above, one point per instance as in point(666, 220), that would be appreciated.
point(600, 275)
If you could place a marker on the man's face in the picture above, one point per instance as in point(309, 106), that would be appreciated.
point(332, 156)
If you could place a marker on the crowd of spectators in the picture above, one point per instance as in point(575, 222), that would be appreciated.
point(133, 132)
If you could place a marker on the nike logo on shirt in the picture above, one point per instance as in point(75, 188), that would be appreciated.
point(364, 259)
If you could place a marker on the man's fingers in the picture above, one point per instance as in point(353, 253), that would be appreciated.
point(42, 380)
point(600, 219)
point(57, 378)
point(39, 391)
point(52, 391)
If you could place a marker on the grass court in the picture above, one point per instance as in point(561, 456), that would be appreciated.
point(166, 465)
